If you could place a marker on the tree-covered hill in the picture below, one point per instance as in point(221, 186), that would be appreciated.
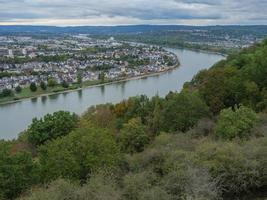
point(240, 79)
point(207, 142)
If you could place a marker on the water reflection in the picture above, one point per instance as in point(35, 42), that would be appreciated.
point(122, 85)
point(53, 97)
point(64, 94)
point(80, 94)
point(102, 88)
point(43, 99)
point(34, 100)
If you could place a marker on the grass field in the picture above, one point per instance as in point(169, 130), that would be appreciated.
point(27, 93)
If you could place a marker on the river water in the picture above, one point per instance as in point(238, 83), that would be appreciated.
point(16, 117)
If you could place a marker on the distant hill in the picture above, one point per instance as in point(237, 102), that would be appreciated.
point(124, 29)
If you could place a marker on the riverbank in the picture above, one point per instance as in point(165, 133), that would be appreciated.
point(88, 84)
point(220, 51)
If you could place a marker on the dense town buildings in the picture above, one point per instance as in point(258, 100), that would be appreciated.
point(24, 60)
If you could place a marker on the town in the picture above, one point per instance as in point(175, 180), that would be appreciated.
point(26, 60)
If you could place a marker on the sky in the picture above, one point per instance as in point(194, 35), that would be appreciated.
point(128, 12)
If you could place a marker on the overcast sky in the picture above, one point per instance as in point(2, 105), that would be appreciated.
point(124, 12)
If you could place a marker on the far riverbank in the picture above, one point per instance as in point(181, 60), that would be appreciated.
point(88, 84)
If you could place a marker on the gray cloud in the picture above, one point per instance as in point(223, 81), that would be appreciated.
point(81, 12)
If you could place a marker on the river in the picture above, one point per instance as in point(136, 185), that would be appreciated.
point(15, 117)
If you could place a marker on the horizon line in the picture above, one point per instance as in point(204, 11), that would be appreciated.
point(125, 25)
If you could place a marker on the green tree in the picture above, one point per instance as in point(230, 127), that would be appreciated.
point(217, 88)
point(18, 89)
point(65, 84)
point(80, 78)
point(154, 116)
point(33, 87)
point(51, 82)
point(17, 172)
point(77, 155)
point(235, 123)
point(101, 76)
point(133, 137)
point(6, 92)
point(181, 111)
point(51, 126)
point(43, 85)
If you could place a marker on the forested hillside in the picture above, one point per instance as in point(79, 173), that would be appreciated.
point(207, 142)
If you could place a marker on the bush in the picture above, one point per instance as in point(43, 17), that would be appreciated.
point(189, 182)
point(136, 184)
point(204, 127)
point(100, 187)
point(236, 168)
point(155, 193)
point(235, 123)
point(59, 189)
point(97, 188)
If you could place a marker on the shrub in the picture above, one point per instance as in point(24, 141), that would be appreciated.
point(235, 172)
point(59, 189)
point(136, 184)
point(97, 188)
point(204, 127)
point(100, 187)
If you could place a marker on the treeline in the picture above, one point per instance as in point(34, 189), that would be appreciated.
point(206, 142)
point(240, 79)
point(21, 60)
point(7, 74)
point(174, 39)
point(133, 61)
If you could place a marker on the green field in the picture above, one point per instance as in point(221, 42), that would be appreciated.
point(27, 93)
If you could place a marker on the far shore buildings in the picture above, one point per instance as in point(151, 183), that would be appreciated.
point(62, 59)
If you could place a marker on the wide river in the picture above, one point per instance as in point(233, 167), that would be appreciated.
point(16, 117)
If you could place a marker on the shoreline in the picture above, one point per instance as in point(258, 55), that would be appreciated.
point(96, 85)
point(186, 48)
